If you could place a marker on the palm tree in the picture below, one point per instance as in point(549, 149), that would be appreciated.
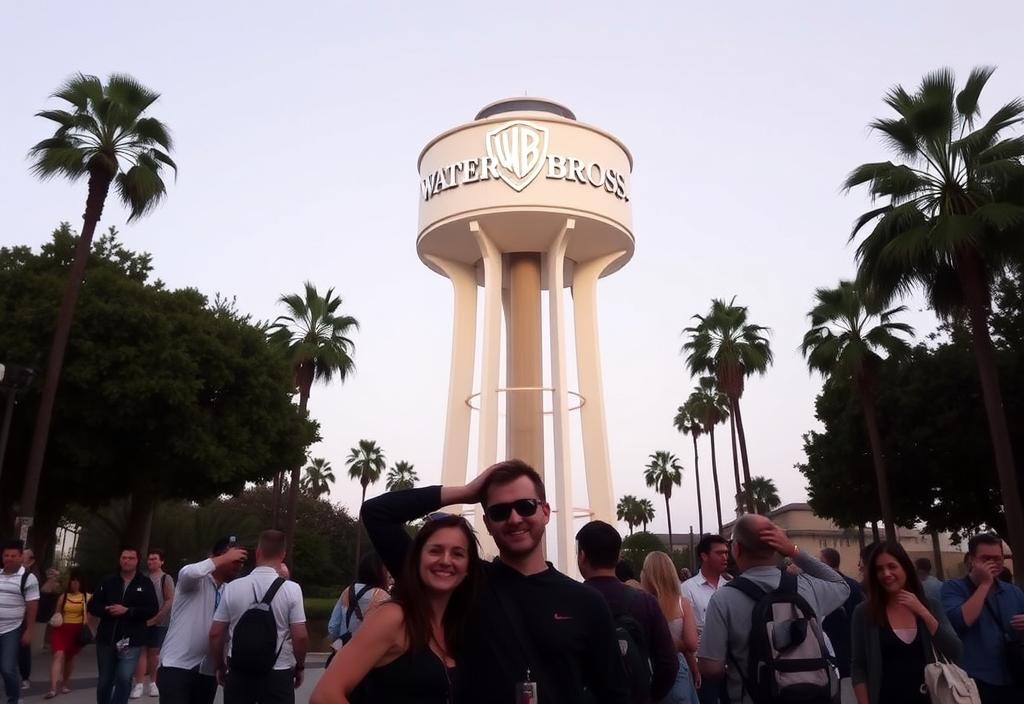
point(645, 512)
point(316, 336)
point(686, 422)
point(101, 135)
point(952, 221)
point(847, 333)
point(723, 343)
point(765, 494)
point(401, 476)
point(319, 477)
point(711, 407)
point(662, 473)
point(628, 510)
point(365, 464)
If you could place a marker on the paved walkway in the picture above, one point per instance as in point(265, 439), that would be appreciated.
point(83, 681)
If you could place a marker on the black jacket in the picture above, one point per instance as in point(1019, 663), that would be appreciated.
point(574, 656)
point(140, 599)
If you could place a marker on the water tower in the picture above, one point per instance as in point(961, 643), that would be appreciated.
point(525, 201)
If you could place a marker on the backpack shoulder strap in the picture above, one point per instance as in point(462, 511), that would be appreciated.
point(627, 602)
point(24, 583)
point(272, 592)
point(751, 590)
point(787, 583)
point(353, 602)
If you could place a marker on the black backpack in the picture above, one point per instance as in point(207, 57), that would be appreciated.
point(353, 608)
point(788, 663)
point(634, 650)
point(254, 641)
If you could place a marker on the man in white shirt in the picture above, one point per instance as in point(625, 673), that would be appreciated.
point(186, 674)
point(19, 601)
point(713, 551)
point(278, 685)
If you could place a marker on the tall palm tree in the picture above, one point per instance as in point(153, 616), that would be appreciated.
point(645, 512)
point(711, 407)
point(319, 477)
point(846, 336)
point(765, 494)
point(101, 136)
point(951, 222)
point(662, 472)
point(401, 476)
point(365, 464)
point(686, 422)
point(317, 337)
point(723, 343)
point(628, 510)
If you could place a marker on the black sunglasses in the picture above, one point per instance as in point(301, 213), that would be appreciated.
point(523, 507)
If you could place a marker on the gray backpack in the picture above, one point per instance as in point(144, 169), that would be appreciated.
point(788, 663)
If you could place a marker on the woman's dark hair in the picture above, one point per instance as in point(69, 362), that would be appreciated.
point(371, 571)
point(875, 592)
point(76, 575)
point(624, 571)
point(411, 594)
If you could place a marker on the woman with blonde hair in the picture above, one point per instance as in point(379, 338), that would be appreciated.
point(658, 577)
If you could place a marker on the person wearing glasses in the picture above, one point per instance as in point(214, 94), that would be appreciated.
point(531, 631)
point(404, 652)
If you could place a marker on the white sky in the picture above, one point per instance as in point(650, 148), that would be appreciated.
point(298, 126)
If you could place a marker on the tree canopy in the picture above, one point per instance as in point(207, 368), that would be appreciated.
point(158, 390)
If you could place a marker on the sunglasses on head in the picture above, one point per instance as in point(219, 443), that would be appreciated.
point(523, 507)
point(442, 516)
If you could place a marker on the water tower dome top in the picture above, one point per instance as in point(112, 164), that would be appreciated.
point(523, 104)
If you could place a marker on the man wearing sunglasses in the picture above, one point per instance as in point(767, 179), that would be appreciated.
point(530, 623)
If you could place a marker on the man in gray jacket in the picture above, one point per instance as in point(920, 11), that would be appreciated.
point(757, 546)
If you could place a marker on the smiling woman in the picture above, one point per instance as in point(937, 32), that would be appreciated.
point(405, 650)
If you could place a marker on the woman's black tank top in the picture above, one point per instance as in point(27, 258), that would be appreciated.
point(902, 669)
point(415, 677)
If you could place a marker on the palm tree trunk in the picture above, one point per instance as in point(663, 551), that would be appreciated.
point(140, 520)
point(714, 476)
point(743, 454)
point(668, 516)
point(99, 185)
point(975, 291)
point(861, 539)
point(293, 488)
point(881, 475)
point(736, 463)
point(359, 529)
point(937, 555)
point(696, 477)
point(874, 532)
point(275, 519)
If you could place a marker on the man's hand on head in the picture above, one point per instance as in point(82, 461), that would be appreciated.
point(776, 537)
point(471, 493)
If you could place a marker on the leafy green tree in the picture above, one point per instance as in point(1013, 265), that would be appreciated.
point(645, 512)
point(628, 510)
point(317, 337)
point(723, 343)
point(636, 548)
point(686, 422)
point(710, 407)
point(401, 476)
point(846, 336)
point(319, 476)
point(161, 396)
point(663, 471)
point(365, 464)
point(765, 493)
point(102, 135)
point(952, 220)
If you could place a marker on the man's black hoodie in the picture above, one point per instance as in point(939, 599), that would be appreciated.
point(137, 595)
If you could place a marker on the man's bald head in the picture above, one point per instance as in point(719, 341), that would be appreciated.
point(747, 536)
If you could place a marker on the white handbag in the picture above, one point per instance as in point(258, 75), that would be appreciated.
point(57, 620)
point(949, 684)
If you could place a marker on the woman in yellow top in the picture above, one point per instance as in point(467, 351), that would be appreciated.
point(65, 640)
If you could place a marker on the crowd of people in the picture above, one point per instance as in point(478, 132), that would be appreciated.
point(428, 619)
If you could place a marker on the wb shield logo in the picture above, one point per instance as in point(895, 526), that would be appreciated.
point(519, 149)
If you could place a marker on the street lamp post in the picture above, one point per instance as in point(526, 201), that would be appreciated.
point(13, 378)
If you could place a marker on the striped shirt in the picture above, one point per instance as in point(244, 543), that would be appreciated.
point(12, 602)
